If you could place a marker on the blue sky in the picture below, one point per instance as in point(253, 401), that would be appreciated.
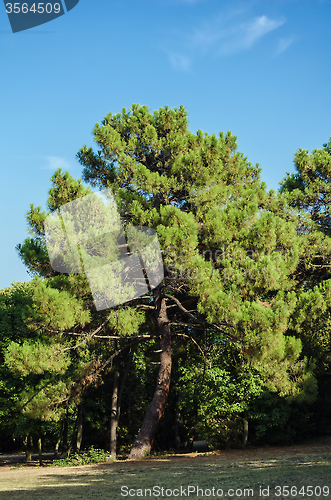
point(260, 68)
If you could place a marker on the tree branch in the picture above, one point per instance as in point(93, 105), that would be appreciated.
point(86, 336)
point(193, 318)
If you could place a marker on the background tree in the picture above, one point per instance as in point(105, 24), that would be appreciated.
point(308, 191)
point(63, 313)
point(13, 302)
point(309, 188)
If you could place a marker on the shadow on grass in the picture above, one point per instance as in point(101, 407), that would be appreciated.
point(106, 480)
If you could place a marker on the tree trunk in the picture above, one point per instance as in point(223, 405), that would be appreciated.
point(58, 442)
point(29, 448)
point(113, 416)
point(191, 435)
point(245, 429)
point(65, 450)
point(116, 402)
point(177, 427)
point(79, 429)
point(40, 455)
point(191, 438)
point(146, 435)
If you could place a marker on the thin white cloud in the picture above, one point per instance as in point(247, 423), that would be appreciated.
point(258, 28)
point(179, 61)
point(204, 38)
point(232, 30)
point(284, 43)
point(244, 35)
point(220, 27)
point(47, 162)
point(55, 162)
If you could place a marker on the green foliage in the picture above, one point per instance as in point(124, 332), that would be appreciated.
point(126, 322)
point(54, 309)
point(13, 303)
point(309, 192)
point(270, 416)
point(92, 456)
point(309, 188)
point(38, 364)
point(36, 357)
point(33, 251)
point(65, 189)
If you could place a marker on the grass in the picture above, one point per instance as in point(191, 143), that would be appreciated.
point(294, 467)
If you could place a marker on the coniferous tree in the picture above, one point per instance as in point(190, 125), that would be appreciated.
point(64, 322)
point(228, 251)
point(308, 191)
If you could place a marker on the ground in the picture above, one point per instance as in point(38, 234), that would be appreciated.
point(300, 471)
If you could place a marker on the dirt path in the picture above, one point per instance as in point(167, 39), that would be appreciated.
point(17, 458)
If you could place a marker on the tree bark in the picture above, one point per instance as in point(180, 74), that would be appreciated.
point(146, 435)
point(40, 455)
point(245, 429)
point(65, 449)
point(29, 448)
point(116, 402)
point(58, 442)
point(79, 429)
point(191, 435)
point(177, 427)
point(114, 416)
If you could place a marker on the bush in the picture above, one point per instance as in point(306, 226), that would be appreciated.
point(91, 456)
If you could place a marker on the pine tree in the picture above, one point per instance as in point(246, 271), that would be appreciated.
point(308, 191)
point(63, 323)
point(228, 251)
